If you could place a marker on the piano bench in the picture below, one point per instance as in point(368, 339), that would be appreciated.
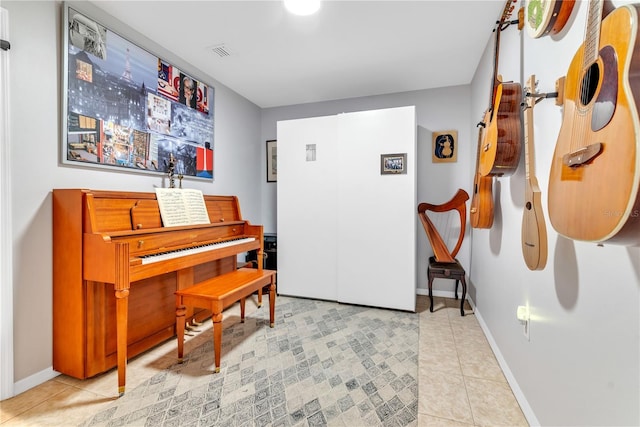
point(220, 292)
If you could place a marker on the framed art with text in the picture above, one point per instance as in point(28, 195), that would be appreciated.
point(128, 109)
point(445, 146)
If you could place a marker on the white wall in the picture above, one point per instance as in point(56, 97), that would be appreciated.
point(581, 365)
point(35, 128)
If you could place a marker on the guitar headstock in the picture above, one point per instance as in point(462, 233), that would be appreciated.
point(505, 19)
point(508, 10)
point(531, 90)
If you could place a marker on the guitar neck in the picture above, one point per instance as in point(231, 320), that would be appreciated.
point(506, 13)
point(479, 147)
point(592, 32)
point(528, 129)
point(494, 80)
point(528, 142)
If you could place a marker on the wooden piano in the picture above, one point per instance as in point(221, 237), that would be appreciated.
point(116, 268)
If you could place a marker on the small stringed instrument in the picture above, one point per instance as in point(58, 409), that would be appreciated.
point(594, 182)
point(534, 229)
point(547, 17)
point(501, 145)
point(481, 209)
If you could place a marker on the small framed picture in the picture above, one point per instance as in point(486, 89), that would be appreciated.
point(393, 164)
point(272, 161)
point(445, 146)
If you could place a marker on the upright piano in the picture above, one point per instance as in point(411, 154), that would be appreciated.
point(116, 268)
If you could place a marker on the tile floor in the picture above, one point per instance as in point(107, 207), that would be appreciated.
point(460, 381)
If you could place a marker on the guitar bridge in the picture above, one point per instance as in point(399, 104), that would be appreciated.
point(583, 155)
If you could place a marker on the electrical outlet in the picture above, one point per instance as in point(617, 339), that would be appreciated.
point(526, 326)
point(523, 317)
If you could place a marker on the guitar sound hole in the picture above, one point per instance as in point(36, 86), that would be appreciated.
point(589, 84)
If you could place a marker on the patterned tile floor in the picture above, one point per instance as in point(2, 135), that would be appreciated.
point(338, 366)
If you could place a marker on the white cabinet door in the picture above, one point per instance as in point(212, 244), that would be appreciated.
point(377, 221)
point(307, 221)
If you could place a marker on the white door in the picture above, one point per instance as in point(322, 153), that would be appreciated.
point(377, 220)
point(307, 220)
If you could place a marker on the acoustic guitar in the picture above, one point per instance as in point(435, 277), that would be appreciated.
point(594, 182)
point(501, 145)
point(534, 229)
point(481, 209)
point(547, 17)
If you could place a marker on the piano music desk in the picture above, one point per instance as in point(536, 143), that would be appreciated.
point(220, 292)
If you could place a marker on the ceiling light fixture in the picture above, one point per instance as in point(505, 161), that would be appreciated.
point(302, 7)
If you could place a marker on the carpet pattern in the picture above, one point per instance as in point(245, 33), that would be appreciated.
point(324, 363)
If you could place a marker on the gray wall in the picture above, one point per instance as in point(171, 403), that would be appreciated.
point(35, 67)
point(581, 365)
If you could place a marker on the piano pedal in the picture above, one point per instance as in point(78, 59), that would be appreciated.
point(190, 328)
point(196, 323)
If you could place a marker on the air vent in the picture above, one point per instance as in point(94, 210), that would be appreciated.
point(221, 50)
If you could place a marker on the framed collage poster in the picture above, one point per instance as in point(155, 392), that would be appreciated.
point(128, 109)
point(445, 146)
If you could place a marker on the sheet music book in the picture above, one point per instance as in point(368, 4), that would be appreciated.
point(181, 207)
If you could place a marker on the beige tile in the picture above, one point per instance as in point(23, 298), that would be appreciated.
point(493, 403)
point(471, 341)
point(476, 357)
point(442, 358)
point(452, 303)
point(21, 403)
point(438, 317)
point(467, 326)
point(439, 305)
point(443, 395)
point(69, 407)
point(469, 320)
point(455, 303)
point(422, 302)
point(425, 420)
point(481, 364)
point(139, 370)
point(437, 336)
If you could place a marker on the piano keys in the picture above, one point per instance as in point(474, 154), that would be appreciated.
point(116, 268)
point(177, 253)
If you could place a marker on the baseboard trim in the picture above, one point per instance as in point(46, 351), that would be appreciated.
point(34, 380)
point(517, 391)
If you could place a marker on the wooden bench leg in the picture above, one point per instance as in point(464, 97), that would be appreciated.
point(180, 320)
point(217, 338)
point(259, 297)
point(242, 310)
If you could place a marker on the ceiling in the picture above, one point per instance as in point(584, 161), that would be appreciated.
point(348, 49)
